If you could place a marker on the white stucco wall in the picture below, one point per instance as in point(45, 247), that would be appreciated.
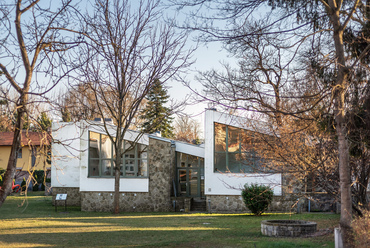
point(70, 159)
point(229, 183)
point(65, 165)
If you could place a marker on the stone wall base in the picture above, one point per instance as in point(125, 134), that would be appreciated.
point(225, 203)
point(145, 202)
point(285, 203)
point(129, 202)
point(73, 195)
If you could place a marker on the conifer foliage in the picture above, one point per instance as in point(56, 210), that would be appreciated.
point(156, 116)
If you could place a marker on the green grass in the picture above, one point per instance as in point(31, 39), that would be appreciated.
point(38, 225)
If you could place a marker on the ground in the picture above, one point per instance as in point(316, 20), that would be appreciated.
point(36, 224)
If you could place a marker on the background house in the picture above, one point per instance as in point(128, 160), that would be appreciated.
point(33, 155)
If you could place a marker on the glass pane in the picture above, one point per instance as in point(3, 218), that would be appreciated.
point(220, 162)
point(192, 161)
point(142, 151)
point(130, 166)
point(182, 176)
point(246, 141)
point(234, 162)
point(94, 145)
point(201, 162)
point(121, 169)
point(201, 168)
point(106, 147)
point(129, 156)
point(248, 163)
point(233, 139)
point(113, 152)
point(193, 180)
point(182, 159)
point(93, 168)
point(106, 167)
point(220, 137)
point(143, 168)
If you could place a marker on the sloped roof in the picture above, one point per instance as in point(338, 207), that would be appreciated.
point(28, 138)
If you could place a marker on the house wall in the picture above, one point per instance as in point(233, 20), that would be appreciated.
point(65, 170)
point(229, 184)
point(25, 162)
point(70, 172)
point(157, 198)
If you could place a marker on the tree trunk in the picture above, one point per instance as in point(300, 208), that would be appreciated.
point(117, 171)
point(6, 189)
point(116, 186)
point(339, 91)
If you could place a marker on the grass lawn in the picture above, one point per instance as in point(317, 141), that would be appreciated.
point(38, 225)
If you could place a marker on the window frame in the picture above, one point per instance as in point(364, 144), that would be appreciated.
point(20, 152)
point(250, 154)
point(112, 160)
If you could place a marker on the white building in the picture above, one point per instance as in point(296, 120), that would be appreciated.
point(157, 174)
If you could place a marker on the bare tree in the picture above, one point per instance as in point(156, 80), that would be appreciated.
point(187, 129)
point(127, 49)
point(78, 103)
point(299, 23)
point(32, 42)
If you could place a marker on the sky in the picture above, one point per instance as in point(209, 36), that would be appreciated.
point(206, 57)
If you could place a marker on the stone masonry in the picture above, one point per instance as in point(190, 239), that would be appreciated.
point(73, 195)
point(234, 203)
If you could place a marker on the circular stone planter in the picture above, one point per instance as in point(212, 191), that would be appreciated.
point(287, 228)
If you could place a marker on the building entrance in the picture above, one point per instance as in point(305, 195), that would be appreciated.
point(190, 175)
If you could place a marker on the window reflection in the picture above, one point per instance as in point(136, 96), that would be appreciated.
point(220, 137)
point(235, 150)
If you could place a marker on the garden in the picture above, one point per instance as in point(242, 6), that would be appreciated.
point(31, 221)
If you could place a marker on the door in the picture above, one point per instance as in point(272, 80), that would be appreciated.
point(189, 170)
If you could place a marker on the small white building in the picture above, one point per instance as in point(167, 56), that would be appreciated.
point(158, 174)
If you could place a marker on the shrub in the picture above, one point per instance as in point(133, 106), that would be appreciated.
point(257, 197)
point(35, 187)
point(42, 186)
point(2, 172)
point(361, 227)
point(23, 184)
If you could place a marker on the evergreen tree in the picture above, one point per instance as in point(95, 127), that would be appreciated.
point(44, 121)
point(155, 115)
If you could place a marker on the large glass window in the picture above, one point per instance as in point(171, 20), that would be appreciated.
point(235, 150)
point(102, 158)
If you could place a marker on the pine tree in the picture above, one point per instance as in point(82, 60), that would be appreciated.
point(44, 121)
point(155, 115)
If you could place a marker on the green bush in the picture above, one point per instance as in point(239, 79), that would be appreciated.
point(257, 198)
point(42, 186)
point(38, 176)
point(23, 184)
point(35, 187)
point(2, 172)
